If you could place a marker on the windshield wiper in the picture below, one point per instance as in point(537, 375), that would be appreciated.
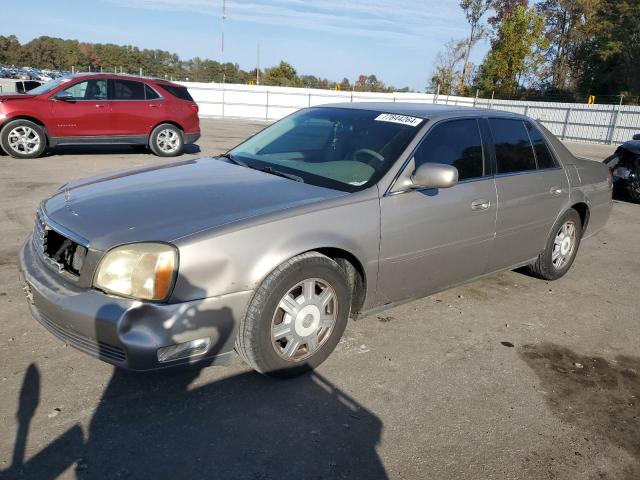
point(290, 176)
point(233, 159)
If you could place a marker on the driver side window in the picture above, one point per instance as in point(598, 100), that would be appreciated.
point(457, 143)
point(94, 89)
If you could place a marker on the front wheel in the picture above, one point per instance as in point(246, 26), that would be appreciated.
point(296, 317)
point(23, 139)
point(561, 249)
point(166, 140)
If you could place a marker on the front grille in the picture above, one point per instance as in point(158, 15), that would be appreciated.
point(88, 345)
point(61, 252)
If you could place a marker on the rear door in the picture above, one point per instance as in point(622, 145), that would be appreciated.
point(87, 115)
point(434, 238)
point(136, 107)
point(532, 190)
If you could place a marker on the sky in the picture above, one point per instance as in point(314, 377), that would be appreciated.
point(397, 40)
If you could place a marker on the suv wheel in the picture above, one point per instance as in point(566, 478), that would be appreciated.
point(166, 140)
point(23, 139)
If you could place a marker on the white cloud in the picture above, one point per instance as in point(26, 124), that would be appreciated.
point(399, 20)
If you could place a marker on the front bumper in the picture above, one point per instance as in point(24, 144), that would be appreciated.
point(128, 333)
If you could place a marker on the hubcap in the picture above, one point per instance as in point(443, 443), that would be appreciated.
point(24, 140)
point(564, 245)
point(168, 141)
point(304, 319)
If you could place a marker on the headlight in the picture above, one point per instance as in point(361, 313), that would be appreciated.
point(141, 270)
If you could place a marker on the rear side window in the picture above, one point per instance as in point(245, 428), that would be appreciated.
point(178, 92)
point(543, 155)
point(128, 90)
point(150, 93)
point(456, 143)
point(514, 152)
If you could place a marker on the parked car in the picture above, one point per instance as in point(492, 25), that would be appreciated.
point(625, 167)
point(95, 109)
point(332, 212)
point(23, 86)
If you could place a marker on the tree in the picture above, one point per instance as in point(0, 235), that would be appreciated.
point(474, 10)
point(568, 25)
point(446, 69)
point(515, 54)
point(504, 9)
point(11, 52)
point(283, 75)
point(610, 58)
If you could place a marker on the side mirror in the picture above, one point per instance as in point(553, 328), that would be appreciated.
point(64, 96)
point(636, 136)
point(434, 175)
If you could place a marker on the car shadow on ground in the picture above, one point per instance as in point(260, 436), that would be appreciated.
point(246, 426)
point(600, 397)
point(189, 149)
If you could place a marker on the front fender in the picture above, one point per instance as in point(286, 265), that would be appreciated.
point(223, 262)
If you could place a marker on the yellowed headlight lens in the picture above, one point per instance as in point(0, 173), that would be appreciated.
point(141, 270)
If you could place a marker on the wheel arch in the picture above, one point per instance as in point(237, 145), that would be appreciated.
point(583, 210)
point(170, 122)
point(30, 118)
point(354, 270)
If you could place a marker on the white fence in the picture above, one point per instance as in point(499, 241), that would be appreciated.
point(569, 121)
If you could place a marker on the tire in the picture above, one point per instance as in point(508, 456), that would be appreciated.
point(266, 319)
point(166, 140)
point(544, 267)
point(35, 140)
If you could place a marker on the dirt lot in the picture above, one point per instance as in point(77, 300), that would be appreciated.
point(508, 377)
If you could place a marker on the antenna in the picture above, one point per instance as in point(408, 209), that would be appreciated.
point(223, 17)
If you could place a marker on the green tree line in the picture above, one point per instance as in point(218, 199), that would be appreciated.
point(60, 54)
point(563, 50)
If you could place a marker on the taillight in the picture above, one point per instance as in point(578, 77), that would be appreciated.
point(194, 107)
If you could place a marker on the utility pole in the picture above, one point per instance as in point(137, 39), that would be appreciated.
point(258, 66)
point(223, 17)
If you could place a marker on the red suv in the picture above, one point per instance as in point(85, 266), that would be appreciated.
point(99, 109)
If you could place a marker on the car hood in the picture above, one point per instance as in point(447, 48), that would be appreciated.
point(14, 96)
point(170, 201)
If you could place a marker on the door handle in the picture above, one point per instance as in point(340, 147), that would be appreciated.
point(153, 105)
point(100, 105)
point(556, 191)
point(480, 204)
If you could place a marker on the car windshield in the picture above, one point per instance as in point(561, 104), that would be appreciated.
point(47, 87)
point(340, 148)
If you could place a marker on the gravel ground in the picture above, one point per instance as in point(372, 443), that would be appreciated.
point(508, 377)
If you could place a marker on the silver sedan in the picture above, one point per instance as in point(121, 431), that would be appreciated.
point(330, 213)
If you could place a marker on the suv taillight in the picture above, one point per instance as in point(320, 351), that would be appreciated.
point(194, 107)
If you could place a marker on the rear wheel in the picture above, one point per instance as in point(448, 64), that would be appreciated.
point(296, 317)
point(23, 139)
point(562, 247)
point(166, 140)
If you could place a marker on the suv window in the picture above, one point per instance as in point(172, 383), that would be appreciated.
point(456, 143)
point(94, 89)
point(543, 155)
point(150, 93)
point(178, 92)
point(128, 90)
point(514, 152)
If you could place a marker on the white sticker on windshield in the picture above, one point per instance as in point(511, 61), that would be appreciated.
point(402, 119)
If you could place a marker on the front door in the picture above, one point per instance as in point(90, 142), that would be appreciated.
point(432, 239)
point(87, 114)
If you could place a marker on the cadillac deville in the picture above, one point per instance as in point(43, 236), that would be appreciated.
point(332, 212)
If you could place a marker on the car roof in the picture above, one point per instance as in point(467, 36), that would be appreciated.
point(423, 110)
point(124, 76)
